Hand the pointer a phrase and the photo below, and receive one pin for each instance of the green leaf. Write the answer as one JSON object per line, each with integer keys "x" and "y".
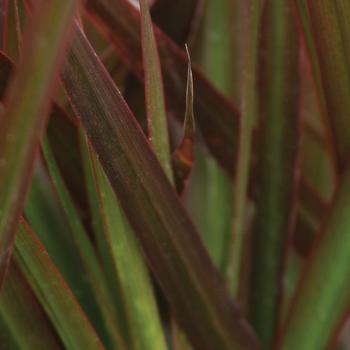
{"x": 169, "y": 240}
{"x": 322, "y": 298}
{"x": 55, "y": 296}
{"x": 278, "y": 160}
{"x": 249, "y": 109}
{"x": 120, "y": 22}
{"x": 26, "y": 105}
{"x": 155, "y": 103}
{"x": 330, "y": 33}
{"x": 137, "y": 292}
{"x": 86, "y": 251}
{"x": 47, "y": 219}
{"x": 23, "y": 315}
{"x": 217, "y": 60}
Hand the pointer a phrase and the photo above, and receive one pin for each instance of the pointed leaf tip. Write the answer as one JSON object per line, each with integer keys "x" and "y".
{"x": 183, "y": 157}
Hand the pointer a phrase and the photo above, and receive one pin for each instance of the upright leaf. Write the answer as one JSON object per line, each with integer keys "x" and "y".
{"x": 120, "y": 22}
{"x": 278, "y": 164}
{"x": 183, "y": 157}
{"x": 249, "y": 109}
{"x": 155, "y": 102}
{"x": 169, "y": 240}
{"x": 217, "y": 62}
{"x": 26, "y": 105}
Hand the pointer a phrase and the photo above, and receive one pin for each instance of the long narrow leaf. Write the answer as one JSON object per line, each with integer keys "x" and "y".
{"x": 85, "y": 248}
{"x": 47, "y": 219}
{"x": 26, "y": 105}
{"x": 278, "y": 161}
{"x": 249, "y": 108}
{"x": 155, "y": 102}
{"x": 322, "y": 298}
{"x": 138, "y": 296}
{"x": 120, "y": 21}
{"x": 169, "y": 240}
{"x": 45, "y": 216}
{"x": 23, "y": 315}
{"x": 333, "y": 57}
{"x": 216, "y": 59}
{"x": 57, "y": 299}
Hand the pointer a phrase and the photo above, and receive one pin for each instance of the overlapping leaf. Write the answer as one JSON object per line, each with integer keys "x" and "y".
{"x": 26, "y": 104}
{"x": 120, "y": 22}
{"x": 278, "y": 160}
{"x": 169, "y": 240}
{"x": 57, "y": 299}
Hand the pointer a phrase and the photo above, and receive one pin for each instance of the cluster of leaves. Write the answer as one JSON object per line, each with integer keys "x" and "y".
{"x": 123, "y": 227}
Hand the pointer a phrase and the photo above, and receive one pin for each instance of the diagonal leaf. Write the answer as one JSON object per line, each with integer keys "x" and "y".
{"x": 333, "y": 56}
{"x": 55, "y": 296}
{"x": 23, "y": 315}
{"x": 120, "y": 22}
{"x": 26, "y": 104}
{"x": 278, "y": 160}
{"x": 322, "y": 299}
{"x": 137, "y": 292}
{"x": 303, "y": 17}
{"x": 168, "y": 238}
{"x": 47, "y": 218}
{"x": 86, "y": 250}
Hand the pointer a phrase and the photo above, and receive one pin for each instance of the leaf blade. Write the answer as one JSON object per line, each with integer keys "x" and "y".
{"x": 155, "y": 102}
{"x": 118, "y": 20}
{"x": 75, "y": 330}
{"x": 23, "y": 122}
{"x": 158, "y": 207}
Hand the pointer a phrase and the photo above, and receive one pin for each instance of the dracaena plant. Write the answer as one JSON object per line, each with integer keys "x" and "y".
{"x": 174, "y": 174}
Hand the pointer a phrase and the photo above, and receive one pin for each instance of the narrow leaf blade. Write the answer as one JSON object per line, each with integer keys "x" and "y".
{"x": 119, "y": 20}
{"x": 57, "y": 299}
{"x": 167, "y": 236}
{"x": 155, "y": 102}
{"x": 26, "y": 104}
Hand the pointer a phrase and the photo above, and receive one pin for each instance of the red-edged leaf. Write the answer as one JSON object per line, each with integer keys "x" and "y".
{"x": 277, "y": 170}
{"x": 26, "y": 104}
{"x": 216, "y": 117}
{"x": 55, "y": 296}
{"x": 24, "y": 316}
{"x": 171, "y": 244}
